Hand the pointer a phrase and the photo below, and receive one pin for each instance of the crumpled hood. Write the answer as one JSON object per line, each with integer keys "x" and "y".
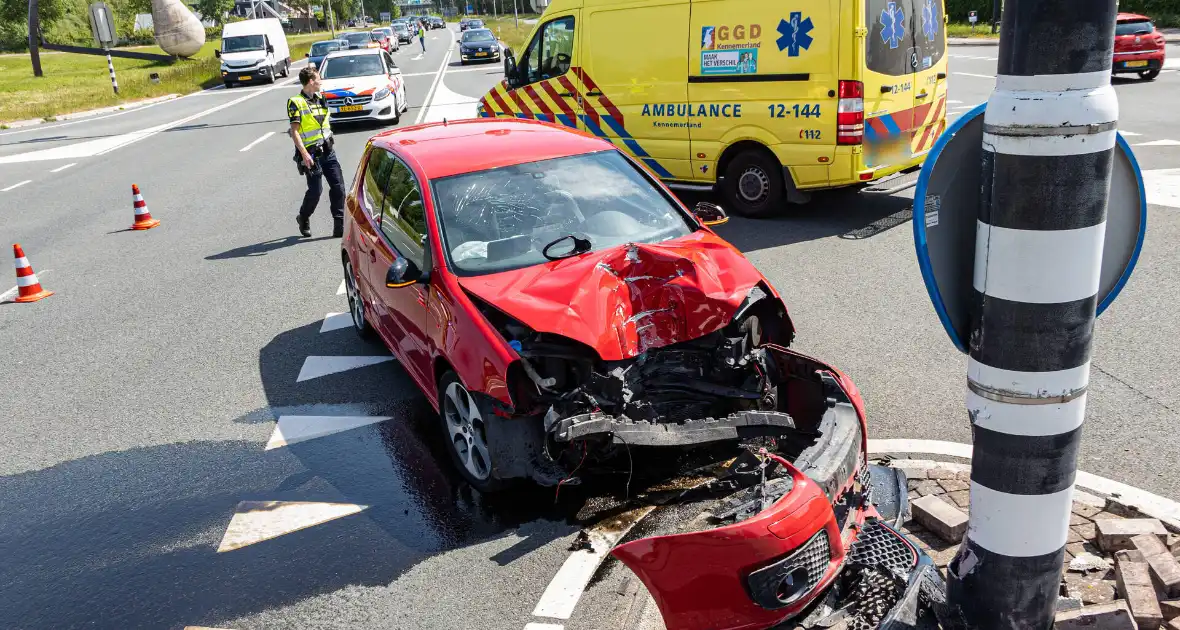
{"x": 624, "y": 300}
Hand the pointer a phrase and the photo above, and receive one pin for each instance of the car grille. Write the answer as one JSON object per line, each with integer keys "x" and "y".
{"x": 809, "y": 562}
{"x": 356, "y": 100}
{"x": 878, "y": 545}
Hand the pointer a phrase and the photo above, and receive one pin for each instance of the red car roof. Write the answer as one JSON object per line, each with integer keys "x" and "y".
{"x": 478, "y": 144}
{"x": 1131, "y": 17}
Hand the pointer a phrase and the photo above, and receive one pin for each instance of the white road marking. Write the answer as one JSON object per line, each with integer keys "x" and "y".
{"x": 964, "y": 107}
{"x": 418, "y": 57}
{"x": 1159, "y": 143}
{"x": 16, "y": 185}
{"x": 1129, "y": 133}
{"x": 317, "y": 366}
{"x": 1172, "y": 64}
{"x": 7, "y": 295}
{"x": 102, "y": 146}
{"x": 969, "y": 74}
{"x": 1153, "y": 505}
{"x": 256, "y": 521}
{"x": 450, "y": 105}
{"x": 562, "y": 595}
{"x": 84, "y": 119}
{"x": 434, "y": 85}
{"x": 1163, "y": 186}
{"x": 336, "y": 321}
{"x": 62, "y": 168}
{"x": 294, "y": 429}
{"x": 953, "y": 102}
{"x": 340, "y": 291}
{"x": 251, "y": 145}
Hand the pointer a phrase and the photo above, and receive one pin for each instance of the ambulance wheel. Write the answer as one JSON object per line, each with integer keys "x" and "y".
{"x": 754, "y": 184}
{"x": 1148, "y": 75}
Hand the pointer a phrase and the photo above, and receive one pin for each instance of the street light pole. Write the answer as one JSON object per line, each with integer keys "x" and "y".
{"x": 996, "y": 10}
{"x": 1048, "y": 149}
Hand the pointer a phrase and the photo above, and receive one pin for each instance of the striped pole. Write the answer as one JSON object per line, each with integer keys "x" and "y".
{"x": 111, "y": 69}
{"x": 1049, "y": 137}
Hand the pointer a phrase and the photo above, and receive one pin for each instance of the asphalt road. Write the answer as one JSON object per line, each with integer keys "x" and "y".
{"x": 140, "y": 400}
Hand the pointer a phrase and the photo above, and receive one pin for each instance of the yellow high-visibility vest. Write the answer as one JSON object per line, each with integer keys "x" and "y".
{"x": 311, "y": 132}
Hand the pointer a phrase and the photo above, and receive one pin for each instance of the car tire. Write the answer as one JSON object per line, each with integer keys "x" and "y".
{"x": 1149, "y": 75}
{"x": 753, "y": 184}
{"x": 397, "y": 111}
{"x": 356, "y": 303}
{"x": 229, "y": 84}
{"x": 462, "y": 418}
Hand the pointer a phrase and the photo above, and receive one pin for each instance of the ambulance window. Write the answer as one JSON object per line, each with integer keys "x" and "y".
{"x": 551, "y": 52}
{"x": 905, "y": 36}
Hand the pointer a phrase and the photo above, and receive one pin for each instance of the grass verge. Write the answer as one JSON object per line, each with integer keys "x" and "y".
{"x": 981, "y": 31}
{"x": 75, "y": 83}
{"x": 506, "y": 29}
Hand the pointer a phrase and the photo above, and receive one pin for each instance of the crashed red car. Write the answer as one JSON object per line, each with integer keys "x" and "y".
{"x": 561, "y": 309}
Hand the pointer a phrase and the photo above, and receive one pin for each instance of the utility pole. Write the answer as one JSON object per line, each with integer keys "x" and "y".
{"x": 515, "y": 17}
{"x": 1048, "y": 143}
{"x": 996, "y": 10}
{"x": 35, "y": 38}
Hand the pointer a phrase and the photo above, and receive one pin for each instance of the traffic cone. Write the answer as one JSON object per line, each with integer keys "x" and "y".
{"x": 27, "y": 286}
{"x": 143, "y": 218}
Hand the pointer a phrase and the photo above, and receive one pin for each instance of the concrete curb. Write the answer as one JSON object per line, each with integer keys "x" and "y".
{"x": 17, "y": 124}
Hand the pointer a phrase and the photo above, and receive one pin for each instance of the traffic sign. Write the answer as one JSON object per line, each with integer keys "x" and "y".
{"x": 946, "y": 211}
{"x": 102, "y": 25}
{"x": 971, "y": 17}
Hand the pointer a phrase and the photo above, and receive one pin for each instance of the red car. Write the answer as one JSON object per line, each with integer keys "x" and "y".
{"x": 383, "y": 39}
{"x": 1138, "y": 46}
{"x": 565, "y": 313}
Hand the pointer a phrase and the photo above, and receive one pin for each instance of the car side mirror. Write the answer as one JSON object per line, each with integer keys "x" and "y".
{"x": 510, "y": 70}
{"x": 402, "y": 273}
{"x": 710, "y": 214}
{"x": 307, "y": 54}
{"x": 217, "y": 53}
{"x": 270, "y": 48}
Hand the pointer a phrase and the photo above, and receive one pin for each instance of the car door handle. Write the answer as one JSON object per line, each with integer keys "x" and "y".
{"x": 922, "y": 95}
{"x": 566, "y": 94}
{"x": 885, "y": 89}
{"x": 941, "y": 76}
{"x": 594, "y": 93}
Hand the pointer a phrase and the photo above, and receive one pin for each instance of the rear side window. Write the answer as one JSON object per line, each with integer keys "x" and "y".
{"x": 403, "y": 219}
{"x": 905, "y": 36}
{"x": 376, "y": 174}
{"x": 1136, "y": 27}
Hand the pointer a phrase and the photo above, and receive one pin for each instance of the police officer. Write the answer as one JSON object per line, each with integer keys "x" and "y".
{"x": 421, "y": 35}
{"x": 312, "y": 133}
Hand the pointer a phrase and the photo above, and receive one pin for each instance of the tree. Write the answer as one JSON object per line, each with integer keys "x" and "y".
{"x": 214, "y": 9}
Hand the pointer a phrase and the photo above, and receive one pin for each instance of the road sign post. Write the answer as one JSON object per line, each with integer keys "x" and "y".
{"x": 1049, "y": 138}
{"x": 102, "y": 27}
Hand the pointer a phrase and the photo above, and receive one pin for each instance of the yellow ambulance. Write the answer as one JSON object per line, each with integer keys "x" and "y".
{"x": 765, "y": 100}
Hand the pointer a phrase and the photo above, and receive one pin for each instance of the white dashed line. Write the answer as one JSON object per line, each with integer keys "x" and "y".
{"x": 62, "y": 168}
{"x": 340, "y": 291}
{"x": 295, "y": 429}
{"x": 1129, "y": 133}
{"x": 251, "y": 145}
{"x": 981, "y": 76}
{"x": 566, "y": 588}
{"x": 336, "y": 321}
{"x": 16, "y": 185}
{"x": 1159, "y": 143}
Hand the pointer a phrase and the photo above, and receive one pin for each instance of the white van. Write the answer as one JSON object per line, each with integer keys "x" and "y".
{"x": 254, "y": 51}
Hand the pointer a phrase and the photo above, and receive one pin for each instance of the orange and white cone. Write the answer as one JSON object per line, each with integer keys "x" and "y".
{"x": 143, "y": 218}
{"x": 27, "y": 286}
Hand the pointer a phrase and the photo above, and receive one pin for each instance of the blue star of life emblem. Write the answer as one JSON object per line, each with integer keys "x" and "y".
{"x": 794, "y": 34}
{"x": 892, "y": 24}
{"x": 929, "y": 19}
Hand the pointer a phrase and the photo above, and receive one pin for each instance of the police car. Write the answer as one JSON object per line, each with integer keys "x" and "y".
{"x": 363, "y": 85}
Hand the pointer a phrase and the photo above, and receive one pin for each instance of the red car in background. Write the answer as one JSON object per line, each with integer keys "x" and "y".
{"x": 383, "y": 39}
{"x": 565, "y": 313}
{"x": 1138, "y": 46}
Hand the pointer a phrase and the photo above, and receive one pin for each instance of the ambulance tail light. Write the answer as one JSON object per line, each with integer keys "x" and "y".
{"x": 850, "y": 113}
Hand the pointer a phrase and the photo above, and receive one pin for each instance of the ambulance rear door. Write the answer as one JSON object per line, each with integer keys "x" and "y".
{"x": 766, "y": 72}
{"x": 893, "y": 65}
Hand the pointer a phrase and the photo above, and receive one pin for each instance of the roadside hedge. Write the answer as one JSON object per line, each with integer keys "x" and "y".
{"x": 1164, "y": 12}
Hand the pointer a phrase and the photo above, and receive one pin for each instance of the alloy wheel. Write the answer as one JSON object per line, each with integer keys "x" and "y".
{"x": 466, "y": 430}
